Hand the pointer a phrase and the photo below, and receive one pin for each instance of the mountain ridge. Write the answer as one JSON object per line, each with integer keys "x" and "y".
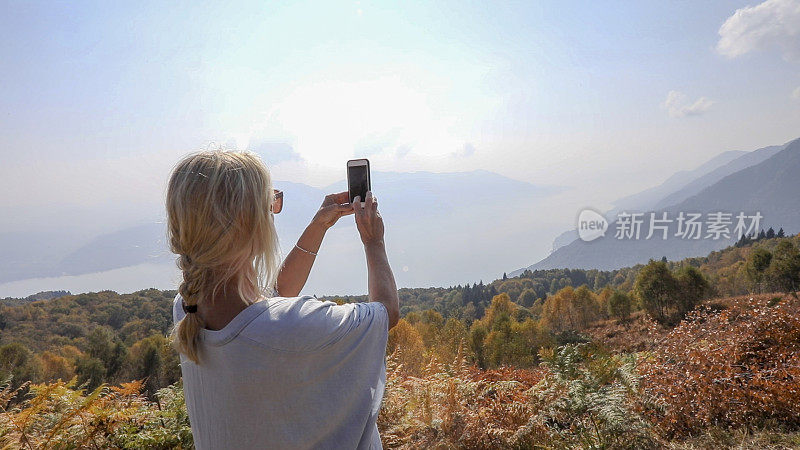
{"x": 769, "y": 187}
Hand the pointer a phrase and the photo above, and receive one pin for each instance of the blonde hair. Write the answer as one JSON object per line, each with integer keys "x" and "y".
{"x": 220, "y": 225}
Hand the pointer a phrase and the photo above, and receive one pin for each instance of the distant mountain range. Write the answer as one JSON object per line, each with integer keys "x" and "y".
{"x": 766, "y": 181}
{"x": 649, "y": 198}
{"x": 413, "y": 204}
{"x": 681, "y": 185}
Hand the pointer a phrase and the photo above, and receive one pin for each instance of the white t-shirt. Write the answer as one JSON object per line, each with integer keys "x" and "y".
{"x": 291, "y": 372}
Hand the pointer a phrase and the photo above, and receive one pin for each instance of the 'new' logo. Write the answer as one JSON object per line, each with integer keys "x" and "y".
{"x": 591, "y": 225}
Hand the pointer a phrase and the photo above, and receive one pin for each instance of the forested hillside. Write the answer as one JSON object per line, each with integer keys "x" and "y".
{"x": 662, "y": 354}
{"x": 726, "y": 271}
{"x": 101, "y": 337}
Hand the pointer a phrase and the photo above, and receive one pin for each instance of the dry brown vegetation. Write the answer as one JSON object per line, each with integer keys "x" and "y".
{"x": 733, "y": 364}
{"x": 725, "y": 377}
{"x": 639, "y": 333}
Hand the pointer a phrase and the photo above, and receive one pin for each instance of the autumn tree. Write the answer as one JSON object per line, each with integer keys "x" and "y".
{"x": 55, "y": 367}
{"x": 490, "y": 332}
{"x": 405, "y": 339}
{"x": 603, "y": 298}
{"x": 570, "y": 309}
{"x": 451, "y": 337}
{"x": 429, "y": 327}
{"x": 499, "y": 338}
{"x": 587, "y": 304}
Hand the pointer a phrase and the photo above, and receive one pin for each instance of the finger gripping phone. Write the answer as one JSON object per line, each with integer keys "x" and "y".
{"x": 358, "y": 179}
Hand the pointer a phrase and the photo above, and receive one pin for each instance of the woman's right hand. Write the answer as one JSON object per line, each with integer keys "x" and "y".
{"x": 368, "y": 220}
{"x": 380, "y": 279}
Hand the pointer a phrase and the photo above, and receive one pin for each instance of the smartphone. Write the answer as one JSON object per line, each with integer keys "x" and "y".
{"x": 358, "y": 179}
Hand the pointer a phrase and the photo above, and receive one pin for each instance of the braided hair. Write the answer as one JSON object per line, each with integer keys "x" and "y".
{"x": 221, "y": 228}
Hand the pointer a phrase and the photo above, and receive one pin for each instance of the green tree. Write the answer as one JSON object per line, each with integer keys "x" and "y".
{"x": 17, "y": 361}
{"x": 469, "y": 313}
{"x": 512, "y": 287}
{"x": 553, "y": 286}
{"x": 657, "y": 290}
{"x": 619, "y": 306}
{"x": 477, "y": 336}
{"x": 153, "y": 360}
{"x": 784, "y": 270}
{"x": 528, "y": 337}
{"x": 757, "y": 264}
{"x": 497, "y": 345}
{"x": 694, "y": 287}
{"x": 91, "y": 372}
{"x": 119, "y": 353}
{"x": 527, "y": 297}
{"x": 600, "y": 281}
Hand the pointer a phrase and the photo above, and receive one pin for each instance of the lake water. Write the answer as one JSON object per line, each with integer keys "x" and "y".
{"x": 123, "y": 280}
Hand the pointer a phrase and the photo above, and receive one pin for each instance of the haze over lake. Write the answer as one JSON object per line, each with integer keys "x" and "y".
{"x": 492, "y": 134}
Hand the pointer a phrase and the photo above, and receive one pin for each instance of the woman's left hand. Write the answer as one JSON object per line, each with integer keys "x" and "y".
{"x": 333, "y": 207}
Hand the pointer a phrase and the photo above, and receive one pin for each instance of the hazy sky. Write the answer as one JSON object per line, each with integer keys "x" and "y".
{"x": 99, "y": 99}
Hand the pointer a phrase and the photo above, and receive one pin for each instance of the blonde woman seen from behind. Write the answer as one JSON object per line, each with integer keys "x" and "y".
{"x": 262, "y": 366}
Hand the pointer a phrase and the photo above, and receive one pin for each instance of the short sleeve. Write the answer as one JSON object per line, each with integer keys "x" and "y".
{"x": 354, "y": 322}
{"x": 177, "y": 310}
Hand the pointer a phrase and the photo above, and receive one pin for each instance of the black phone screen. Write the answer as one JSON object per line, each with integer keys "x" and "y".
{"x": 358, "y": 180}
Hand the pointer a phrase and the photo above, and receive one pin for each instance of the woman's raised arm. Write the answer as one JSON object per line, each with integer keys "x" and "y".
{"x": 381, "y": 284}
{"x": 297, "y": 265}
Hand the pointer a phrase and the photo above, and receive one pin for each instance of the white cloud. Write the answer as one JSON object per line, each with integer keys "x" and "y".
{"x": 678, "y": 105}
{"x": 772, "y": 24}
{"x": 796, "y": 93}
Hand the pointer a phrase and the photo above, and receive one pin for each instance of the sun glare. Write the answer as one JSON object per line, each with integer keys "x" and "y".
{"x": 329, "y": 122}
